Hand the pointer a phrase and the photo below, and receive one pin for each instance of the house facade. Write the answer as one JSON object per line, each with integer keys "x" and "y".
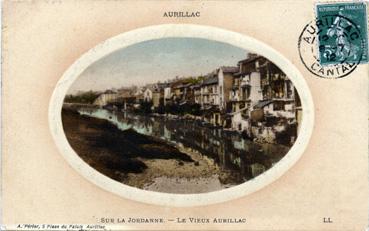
{"x": 158, "y": 95}
{"x": 209, "y": 99}
{"x": 225, "y": 85}
{"x": 246, "y": 92}
{"x": 106, "y": 97}
{"x": 214, "y": 94}
{"x": 262, "y": 98}
{"x": 210, "y": 91}
{"x": 197, "y": 93}
{"x": 168, "y": 95}
{"x": 147, "y": 95}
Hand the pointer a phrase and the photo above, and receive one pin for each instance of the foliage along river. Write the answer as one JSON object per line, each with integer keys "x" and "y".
{"x": 225, "y": 150}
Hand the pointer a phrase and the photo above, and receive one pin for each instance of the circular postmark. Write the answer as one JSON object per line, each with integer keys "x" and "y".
{"x": 330, "y": 47}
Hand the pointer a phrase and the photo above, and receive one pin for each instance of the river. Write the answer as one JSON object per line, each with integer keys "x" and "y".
{"x": 226, "y": 149}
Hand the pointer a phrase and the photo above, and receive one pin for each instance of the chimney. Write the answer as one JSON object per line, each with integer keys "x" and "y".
{"x": 251, "y": 55}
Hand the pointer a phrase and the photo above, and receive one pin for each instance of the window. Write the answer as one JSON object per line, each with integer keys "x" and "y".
{"x": 278, "y": 106}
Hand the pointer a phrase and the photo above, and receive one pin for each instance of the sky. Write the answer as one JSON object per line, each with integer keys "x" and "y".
{"x": 157, "y": 60}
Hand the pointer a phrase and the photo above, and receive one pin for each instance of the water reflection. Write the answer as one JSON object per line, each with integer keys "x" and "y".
{"x": 228, "y": 149}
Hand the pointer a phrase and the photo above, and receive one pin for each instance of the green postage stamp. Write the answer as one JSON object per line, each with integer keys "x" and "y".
{"x": 342, "y": 33}
{"x": 336, "y": 42}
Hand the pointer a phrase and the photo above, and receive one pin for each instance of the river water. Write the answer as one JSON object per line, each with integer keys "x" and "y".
{"x": 229, "y": 150}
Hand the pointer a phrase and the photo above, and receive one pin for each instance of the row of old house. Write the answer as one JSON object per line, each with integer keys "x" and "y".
{"x": 254, "y": 97}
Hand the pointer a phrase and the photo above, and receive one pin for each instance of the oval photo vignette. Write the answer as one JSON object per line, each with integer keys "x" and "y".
{"x": 181, "y": 115}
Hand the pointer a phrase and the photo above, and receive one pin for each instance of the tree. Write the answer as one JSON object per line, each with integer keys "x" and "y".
{"x": 87, "y": 97}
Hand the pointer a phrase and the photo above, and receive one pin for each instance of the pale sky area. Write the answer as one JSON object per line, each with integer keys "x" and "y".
{"x": 157, "y": 60}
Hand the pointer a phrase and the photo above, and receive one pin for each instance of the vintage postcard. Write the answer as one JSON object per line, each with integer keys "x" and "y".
{"x": 184, "y": 115}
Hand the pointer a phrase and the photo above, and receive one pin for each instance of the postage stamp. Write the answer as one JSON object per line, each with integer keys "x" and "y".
{"x": 332, "y": 45}
{"x": 343, "y": 32}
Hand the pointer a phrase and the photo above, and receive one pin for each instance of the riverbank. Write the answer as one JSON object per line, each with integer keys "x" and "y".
{"x": 142, "y": 161}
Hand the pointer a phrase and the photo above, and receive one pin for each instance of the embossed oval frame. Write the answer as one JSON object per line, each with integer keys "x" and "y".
{"x": 180, "y": 31}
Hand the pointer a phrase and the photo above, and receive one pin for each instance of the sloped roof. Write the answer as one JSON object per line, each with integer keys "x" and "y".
{"x": 126, "y": 94}
{"x": 161, "y": 85}
{"x": 196, "y": 86}
{"x": 251, "y": 57}
{"x": 263, "y": 103}
{"x": 183, "y": 85}
{"x": 187, "y": 84}
{"x": 176, "y": 83}
{"x": 211, "y": 80}
{"x": 110, "y": 92}
{"x": 226, "y": 69}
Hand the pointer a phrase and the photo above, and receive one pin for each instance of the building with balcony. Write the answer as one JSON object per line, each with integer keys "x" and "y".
{"x": 262, "y": 99}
